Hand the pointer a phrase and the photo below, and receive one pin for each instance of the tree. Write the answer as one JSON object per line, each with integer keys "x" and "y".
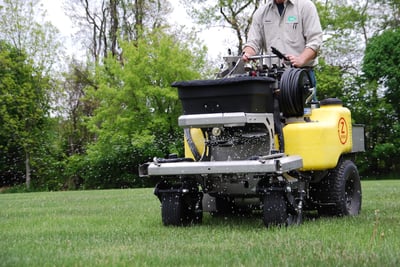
{"x": 345, "y": 32}
{"x": 104, "y": 23}
{"x": 382, "y": 56}
{"x": 24, "y": 106}
{"x": 138, "y": 109}
{"x": 387, "y": 14}
{"x": 236, "y": 15}
{"x": 31, "y": 38}
{"x": 76, "y": 107}
{"x": 23, "y": 25}
{"x": 329, "y": 81}
{"x": 381, "y": 61}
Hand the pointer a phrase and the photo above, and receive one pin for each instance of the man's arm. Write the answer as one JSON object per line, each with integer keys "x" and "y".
{"x": 302, "y": 59}
{"x": 255, "y": 36}
{"x": 312, "y": 34}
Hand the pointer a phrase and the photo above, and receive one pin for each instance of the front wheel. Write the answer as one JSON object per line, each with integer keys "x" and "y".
{"x": 180, "y": 210}
{"x": 275, "y": 209}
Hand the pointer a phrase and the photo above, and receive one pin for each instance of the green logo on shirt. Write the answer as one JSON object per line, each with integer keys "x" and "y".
{"x": 292, "y": 19}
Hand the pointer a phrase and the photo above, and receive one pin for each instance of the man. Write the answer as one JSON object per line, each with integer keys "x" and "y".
{"x": 291, "y": 26}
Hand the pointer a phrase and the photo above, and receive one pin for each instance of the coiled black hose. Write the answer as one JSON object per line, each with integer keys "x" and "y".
{"x": 294, "y": 89}
{"x": 192, "y": 145}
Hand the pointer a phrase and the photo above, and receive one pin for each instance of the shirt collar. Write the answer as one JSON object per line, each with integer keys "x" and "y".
{"x": 271, "y": 2}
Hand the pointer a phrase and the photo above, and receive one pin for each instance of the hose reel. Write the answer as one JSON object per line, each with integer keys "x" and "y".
{"x": 295, "y": 87}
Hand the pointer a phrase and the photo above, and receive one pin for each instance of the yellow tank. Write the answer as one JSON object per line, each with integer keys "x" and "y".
{"x": 321, "y": 141}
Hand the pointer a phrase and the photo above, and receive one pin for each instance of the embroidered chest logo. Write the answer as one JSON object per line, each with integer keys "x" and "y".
{"x": 292, "y": 19}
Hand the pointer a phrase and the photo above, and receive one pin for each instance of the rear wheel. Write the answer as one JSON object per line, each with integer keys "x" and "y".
{"x": 340, "y": 192}
{"x": 275, "y": 209}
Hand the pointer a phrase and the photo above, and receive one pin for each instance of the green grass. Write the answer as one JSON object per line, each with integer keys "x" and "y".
{"x": 123, "y": 228}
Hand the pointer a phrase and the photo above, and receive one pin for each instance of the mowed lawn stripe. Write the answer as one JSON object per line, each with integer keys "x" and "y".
{"x": 123, "y": 228}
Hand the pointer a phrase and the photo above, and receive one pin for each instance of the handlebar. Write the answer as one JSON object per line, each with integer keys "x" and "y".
{"x": 270, "y": 63}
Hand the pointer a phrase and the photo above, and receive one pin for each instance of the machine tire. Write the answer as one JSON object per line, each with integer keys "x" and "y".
{"x": 178, "y": 210}
{"x": 342, "y": 189}
{"x": 173, "y": 210}
{"x": 275, "y": 209}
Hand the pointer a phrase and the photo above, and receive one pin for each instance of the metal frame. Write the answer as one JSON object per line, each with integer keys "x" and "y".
{"x": 275, "y": 165}
{"x": 230, "y": 119}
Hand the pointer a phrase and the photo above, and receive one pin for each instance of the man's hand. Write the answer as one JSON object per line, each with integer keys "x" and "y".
{"x": 247, "y": 52}
{"x": 296, "y": 61}
{"x": 301, "y": 60}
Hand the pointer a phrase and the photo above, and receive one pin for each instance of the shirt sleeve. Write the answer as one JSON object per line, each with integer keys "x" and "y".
{"x": 255, "y": 37}
{"x": 312, "y": 27}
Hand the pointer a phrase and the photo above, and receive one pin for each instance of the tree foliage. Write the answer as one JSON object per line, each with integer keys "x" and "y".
{"x": 138, "y": 109}
{"x": 77, "y": 107}
{"x": 23, "y": 25}
{"x": 34, "y": 44}
{"x": 23, "y": 110}
{"x": 117, "y": 107}
{"x": 382, "y": 56}
{"x": 381, "y": 61}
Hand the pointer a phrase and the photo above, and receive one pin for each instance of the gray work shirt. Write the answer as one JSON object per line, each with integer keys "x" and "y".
{"x": 297, "y": 28}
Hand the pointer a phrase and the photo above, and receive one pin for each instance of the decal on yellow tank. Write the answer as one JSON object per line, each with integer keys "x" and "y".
{"x": 343, "y": 131}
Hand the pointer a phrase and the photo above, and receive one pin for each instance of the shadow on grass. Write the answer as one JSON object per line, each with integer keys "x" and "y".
{"x": 252, "y": 219}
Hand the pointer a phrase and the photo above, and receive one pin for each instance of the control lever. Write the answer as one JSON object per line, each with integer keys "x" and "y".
{"x": 279, "y": 53}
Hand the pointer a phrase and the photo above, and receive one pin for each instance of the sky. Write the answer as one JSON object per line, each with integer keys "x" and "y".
{"x": 57, "y": 17}
{"x": 214, "y": 38}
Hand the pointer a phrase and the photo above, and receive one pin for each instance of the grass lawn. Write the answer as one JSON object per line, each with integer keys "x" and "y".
{"x": 123, "y": 228}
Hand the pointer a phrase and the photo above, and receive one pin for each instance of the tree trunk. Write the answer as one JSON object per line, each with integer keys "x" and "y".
{"x": 27, "y": 171}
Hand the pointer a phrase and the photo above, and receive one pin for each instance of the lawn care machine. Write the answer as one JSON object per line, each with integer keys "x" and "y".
{"x": 257, "y": 142}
